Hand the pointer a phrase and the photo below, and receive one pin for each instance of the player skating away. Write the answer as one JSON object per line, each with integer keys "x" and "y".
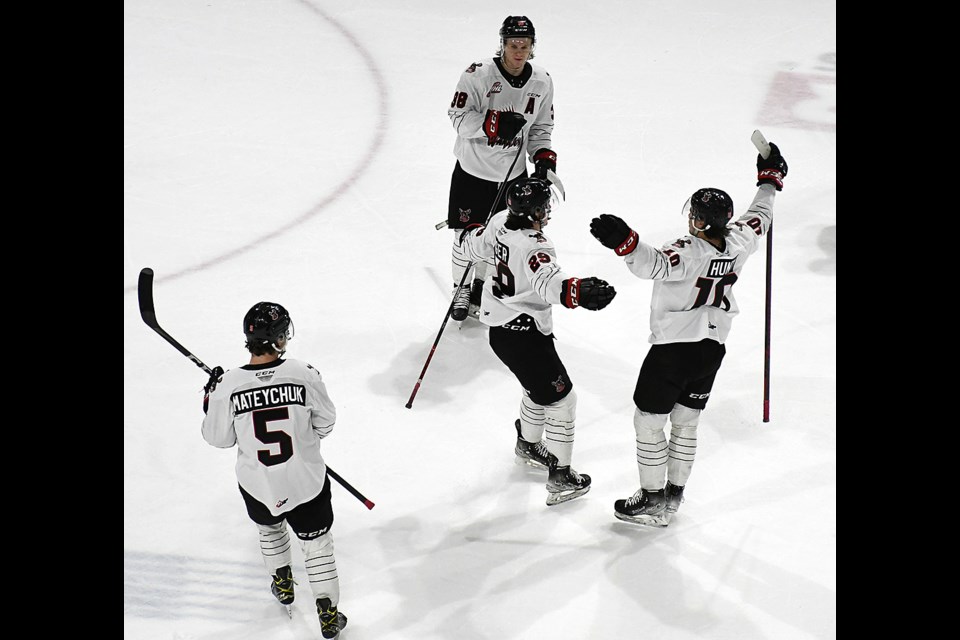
{"x": 691, "y": 311}
{"x": 276, "y": 411}
{"x": 517, "y": 304}
{"x": 496, "y": 99}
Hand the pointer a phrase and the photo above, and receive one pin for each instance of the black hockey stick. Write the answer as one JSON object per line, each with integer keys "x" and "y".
{"x": 760, "y": 142}
{"x": 433, "y": 349}
{"x": 149, "y": 315}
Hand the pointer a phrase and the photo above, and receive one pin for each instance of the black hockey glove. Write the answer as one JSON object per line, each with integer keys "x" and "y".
{"x": 208, "y": 388}
{"x": 215, "y": 376}
{"x": 614, "y": 233}
{"x": 589, "y": 293}
{"x": 544, "y": 160}
{"x": 772, "y": 170}
{"x": 501, "y": 127}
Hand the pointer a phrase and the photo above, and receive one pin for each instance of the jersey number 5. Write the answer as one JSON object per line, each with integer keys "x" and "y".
{"x": 718, "y": 287}
{"x": 279, "y": 437}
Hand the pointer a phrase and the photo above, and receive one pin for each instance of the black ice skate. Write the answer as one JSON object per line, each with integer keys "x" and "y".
{"x": 674, "y": 495}
{"x": 565, "y": 484}
{"x": 331, "y": 620}
{"x": 461, "y": 303}
{"x": 282, "y": 588}
{"x": 534, "y": 454}
{"x": 644, "y": 507}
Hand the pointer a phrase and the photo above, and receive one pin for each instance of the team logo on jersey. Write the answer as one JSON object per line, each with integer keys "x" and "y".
{"x": 496, "y": 88}
{"x": 280, "y": 503}
{"x": 465, "y": 214}
{"x": 720, "y": 267}
{"x": 559, "y": 384}
{"x": 473, "y": 67}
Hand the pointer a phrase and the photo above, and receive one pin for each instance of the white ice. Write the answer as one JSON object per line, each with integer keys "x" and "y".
{"x": 299, "y": 151}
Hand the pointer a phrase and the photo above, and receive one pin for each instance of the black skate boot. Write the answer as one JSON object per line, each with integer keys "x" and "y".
{"x": 565, "y": 484}
{"x": 534, "y": 454}
{"x": 282, "y": 587}
{"x": 461, "y": 303}
{"x": 644, "y": 507}
{"x": 331, "y": 620}
{"x": 674, "y": 495}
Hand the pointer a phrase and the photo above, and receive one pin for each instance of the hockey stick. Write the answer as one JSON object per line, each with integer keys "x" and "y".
{"x": 149, "y": 314}
{"x": 764, "y": 148}
{"x": 463, "y": 279}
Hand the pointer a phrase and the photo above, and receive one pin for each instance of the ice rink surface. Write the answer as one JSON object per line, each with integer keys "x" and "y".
{"x": 300, "y": 152}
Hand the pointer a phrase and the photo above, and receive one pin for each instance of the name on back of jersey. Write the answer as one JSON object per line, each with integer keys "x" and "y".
{"x": 720, "y": 267}
{"x": 278, "y": 395}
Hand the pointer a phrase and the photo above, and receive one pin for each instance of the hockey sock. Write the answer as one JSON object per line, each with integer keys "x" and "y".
{"x": 531, "y": 420}
{"x": 274, "y": 546}
{"x": 683, "y": 443}
{"x": 560, "y": 425}
{"x": 322, "y": 568}
{"x": 651, "y": 449}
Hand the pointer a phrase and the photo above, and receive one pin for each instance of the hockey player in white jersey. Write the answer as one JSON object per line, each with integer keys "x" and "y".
{"x": 691, "y": 311}
{"x": 276, "y": 411}
{"x": 517, "y": 304}
{"x": 496, "y": 100}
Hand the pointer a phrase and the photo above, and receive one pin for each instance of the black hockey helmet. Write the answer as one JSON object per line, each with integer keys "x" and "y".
{"x": 711, "y": 206}
{"x": 267, "y": 323}
{"x": 518, "y": 27}
{"x": 530, "y": 199}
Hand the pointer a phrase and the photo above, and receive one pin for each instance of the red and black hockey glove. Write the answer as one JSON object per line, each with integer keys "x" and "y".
{"x": 772, "y": 170}
{"x": 501, "y": 127}
{"x": 590, "y": 293}
{"x": 208, "y": 388}
{"x": 614, "y": 233}
{"x": 544, "y": 160}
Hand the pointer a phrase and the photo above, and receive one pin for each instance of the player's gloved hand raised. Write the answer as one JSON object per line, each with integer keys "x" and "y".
{"x": 614, "y": 233}
{"x": 501, "y": 127}
{"x": 543, "y": 161}
{"x": 772, "y": 170}
{"x": 589, "y": 293}
{"x": 215, "y": 376}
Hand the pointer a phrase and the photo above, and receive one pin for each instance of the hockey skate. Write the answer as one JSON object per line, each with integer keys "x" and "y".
{"x": 534, "y": 454}
{"x": 643, "y": 507}
{"x": 331, "y": 620}
{"x": 282, "y": 588}
{"x": 461, "y": 303}
{"x": 476, "y": 294}
{"x": 565, "y": 484}
{"x": 674, "y": 496}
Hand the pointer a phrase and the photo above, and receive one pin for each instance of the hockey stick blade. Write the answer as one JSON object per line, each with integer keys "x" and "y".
{"x": 555, "y": 181}
{"x": 760, "y": 143}
{"x": 149, "y": 314}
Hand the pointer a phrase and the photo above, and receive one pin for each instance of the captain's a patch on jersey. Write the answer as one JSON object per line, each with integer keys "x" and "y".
{"x": 720, "y": 267}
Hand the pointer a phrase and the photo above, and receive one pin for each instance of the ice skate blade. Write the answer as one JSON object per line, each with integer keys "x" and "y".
{"x": 527, "y": 462}
{"x": 660, "y": 520}
{"x": 289, "y": 608}
{"x": 565, "y": 496}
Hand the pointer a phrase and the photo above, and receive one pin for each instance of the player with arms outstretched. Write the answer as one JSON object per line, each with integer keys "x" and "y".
{"x": 495, "y": 101}
{"x": 276, "y": 411}
{"x": 691, "y": 311}
{"x": 517, "y": 304}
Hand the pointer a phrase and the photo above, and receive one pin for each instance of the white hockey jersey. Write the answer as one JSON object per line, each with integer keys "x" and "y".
{"x": 276, "y": 414}
{"x": 692, "y": 295}
{"x": 525, "y": 277}
{"x": 484, "y": 85}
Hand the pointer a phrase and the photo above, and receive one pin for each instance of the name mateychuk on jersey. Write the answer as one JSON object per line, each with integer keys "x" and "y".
{"x": 280, "y": 395}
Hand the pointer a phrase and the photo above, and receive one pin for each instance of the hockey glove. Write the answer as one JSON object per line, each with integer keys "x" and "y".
{"x": 544, "y": 160}
{"x": 772, "y": 170}
{"x": 614, "y": 233}
{"x": 589, "y": 293}
{"x": 208, "y": 388}
{"x": 501, "y": 127}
